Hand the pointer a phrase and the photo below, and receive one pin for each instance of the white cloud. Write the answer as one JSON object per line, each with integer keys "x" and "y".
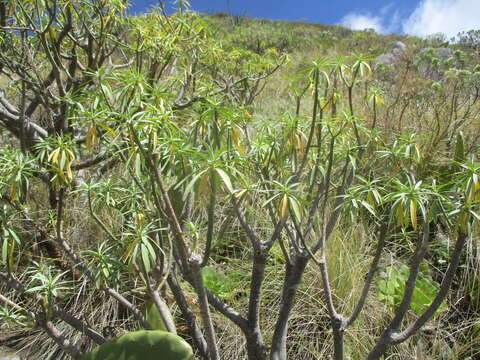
{"x": 387, "y": 21}
{"x": 362, "y": 21}
{"x": 429, "y": 17}
{"x": 443, "y": 16}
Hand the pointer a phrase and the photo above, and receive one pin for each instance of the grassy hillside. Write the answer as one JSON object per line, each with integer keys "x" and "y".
{"x": 423, "y": 97}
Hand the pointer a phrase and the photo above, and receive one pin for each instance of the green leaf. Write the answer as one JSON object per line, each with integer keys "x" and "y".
{"x": 225, "y": 179}
{"x": 145, "y": 345}
{"x": 145, "y": 258}
{"x": 4, "y": 250}
{"x": 138, "y": 165}
{"x": 192, "y": 183}
{"x": 296, "y": 208}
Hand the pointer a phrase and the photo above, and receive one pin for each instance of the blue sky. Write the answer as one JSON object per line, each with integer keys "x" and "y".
{"x": 416, "y": 17}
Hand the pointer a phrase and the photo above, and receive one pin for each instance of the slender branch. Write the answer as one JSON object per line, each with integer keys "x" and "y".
{"x": 188, "y": 315}
{"x": 13, "y": 124}
{"x": 49, "y": 328}
{"x": 227, "y": 311}
{"x": 412, "y": 278}
{"x": 162, "y": 310}
{"x": 180, "y": 106}
{"x": 204, "y": 309}
{"x": 211, "y": 220}
{"x": 313, "y": 123}
{"x": 79, "y": 325}
{"x": 19, "y": 28}
{"x": 104, "y": 155}
{"x": 387, "y": 337}
{"x": 8, "y": 106}
{"x": 245, "y": 225}
{"x": 172, "y": 218}
{"x": 322, "y": 191}
{"x": 442, "y": 293}
{"x": 57, "y": 336}
{"x": 337, "y": 320}
{"x": 277, "y": 231}
{"x": 97, "y": 219}
{"x": 17, "y": 307}
{"x": 371, "y": 273}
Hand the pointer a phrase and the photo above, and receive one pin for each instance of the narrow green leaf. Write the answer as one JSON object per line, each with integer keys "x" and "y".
{"x": 225, "y": 179}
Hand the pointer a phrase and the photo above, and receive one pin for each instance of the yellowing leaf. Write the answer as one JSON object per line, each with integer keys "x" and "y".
{"x": 13, "y": 191}
{"x": 140, "y": 219}
{"x": 138, "y": 165}
{"x": 204, "y": 186}
{"x": 52, "y": 33}
{"x": 371, "y": 200}
{"x": 323, "y": 103}
{"x": 463, "y": 221}
{"x": 459, "y": 155}
{"x": 106, "y": 127}
{"x": 236, "y": 141}
{"x": 69, "y": 172}
{"x": 91, "y": 138}
{"x": 235, "y": 136}
{"x": 300, "y": 144}
{"x": 283, "y": 207}
{"x": 54, "y": 157}
{"x": 239, "y": 194}
{"x": 419, "y": 151}
{"x": 312, "y": 89}
{"x": 296, "y": 208}
{"x": 154, "y": 140}
{"x": 399, "y": 215}
{"x": 413, "y": 214}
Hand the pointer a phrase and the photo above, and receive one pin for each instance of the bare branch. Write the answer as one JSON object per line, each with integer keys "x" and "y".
{"x": 442, "y": 293}
{"x": 387, "y": 337}
{"x": 371, "y": 273}
{"x": 188, "y": 315}
{"x": 47, "y": 325}
{"x": 204, "y": 309}
{"x": 104, "y": 155}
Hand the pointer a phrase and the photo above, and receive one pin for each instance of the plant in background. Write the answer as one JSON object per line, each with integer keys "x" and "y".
{"x": 106, "y": 267}
{"x": 392, "y": 287}
{"x": 10, "y": 239}
{"x": 47, "y": 285}
{"x": 225, "y": 286}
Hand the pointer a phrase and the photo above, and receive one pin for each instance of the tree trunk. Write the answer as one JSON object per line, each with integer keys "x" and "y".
{"x": 293, "y": 277}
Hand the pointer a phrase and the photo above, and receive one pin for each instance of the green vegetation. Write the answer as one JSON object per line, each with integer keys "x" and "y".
{"x": 146, "y": 345}
{"x": 154, "y": 317}
{"x": 392, "y": 289}
{"x": 260, "y": 189}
